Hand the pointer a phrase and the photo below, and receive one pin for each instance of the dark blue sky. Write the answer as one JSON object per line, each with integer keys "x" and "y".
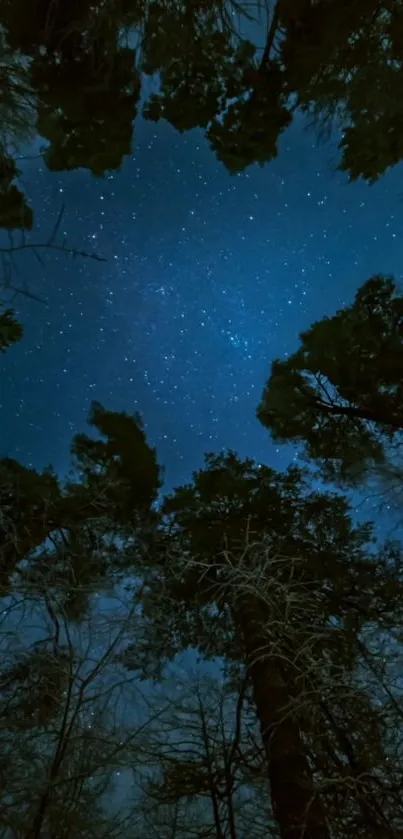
{"x": 208, "y": 277}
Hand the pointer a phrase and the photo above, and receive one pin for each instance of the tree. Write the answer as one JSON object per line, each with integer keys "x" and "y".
{"x": 110, "y": 493}
{"x": 202, "y": 68}
{"x": 252, "y": 566}
{"x": 206, "y": 766}
{"x": 243, "y": 563}
{"x": 17, "y": 128}
{"x": 19, "y": 108}
{"x": 14, "y": 210}
{"x": 65, "y": 733}
{"x": 340, "y": 395}
{"x": 10, "y": 329}
{"x": 326, "y": 59}
{"x": 339, "y": 61}
{"x": 65, "y": 727}
{"x": 87, "y": 113}
{"x": 85, "y": 82}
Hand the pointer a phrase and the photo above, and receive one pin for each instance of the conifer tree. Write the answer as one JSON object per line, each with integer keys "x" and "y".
{"x": 340, "y": 395}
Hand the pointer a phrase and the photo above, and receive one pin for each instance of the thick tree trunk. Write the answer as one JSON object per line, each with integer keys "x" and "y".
{"x": 298, "y": 811}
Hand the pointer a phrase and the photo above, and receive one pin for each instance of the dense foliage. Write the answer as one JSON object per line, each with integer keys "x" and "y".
{"x": 340, "y": 395}
{"x": 79, "y": 85}
{"x": 292, "y": 724}
{"x": 299, "y": 608}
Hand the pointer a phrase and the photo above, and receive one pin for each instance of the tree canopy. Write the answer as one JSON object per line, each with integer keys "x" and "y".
{"x": 253, "y": 566}
{"x": 243, "y": 564}
{"x": 111, "y": 492}
{"x": 340, "y": 395}
{"x": 80, "y": 84}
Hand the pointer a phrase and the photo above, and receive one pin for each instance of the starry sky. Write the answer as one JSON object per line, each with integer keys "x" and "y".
{"x": 207, "y": 278}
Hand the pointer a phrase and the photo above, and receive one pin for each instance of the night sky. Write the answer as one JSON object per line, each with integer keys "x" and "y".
{"x": 208, "y": 278}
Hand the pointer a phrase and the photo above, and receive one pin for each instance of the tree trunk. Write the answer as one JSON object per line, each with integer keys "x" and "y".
{"x": 297, "y": 809}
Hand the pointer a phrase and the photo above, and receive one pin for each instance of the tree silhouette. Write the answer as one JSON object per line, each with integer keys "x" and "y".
{"x": 63, "y": 735}
{"x": 92, "y": 129}
{"x": 303, "y": 606}
{"x": 111, "y": 492}
{"x": 85, "y": 81}
{"x": 255, "y": 568}
{"x": 345, "y": 63}
{"x": 10, "y": 329}
{"x": 335, "y": 63}
{"x": 340, "y": 395}
{"x": 14, "y": 210}
{"x": 207, "y": 766}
